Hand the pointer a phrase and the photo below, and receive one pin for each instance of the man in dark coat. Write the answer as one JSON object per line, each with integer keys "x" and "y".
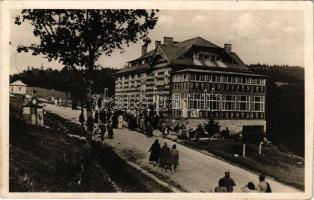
{"x": 164, "y": 155}
{"x": 229, "y": 182}
{"x": 110, "y": 131}
{"x": 154, "y": 152}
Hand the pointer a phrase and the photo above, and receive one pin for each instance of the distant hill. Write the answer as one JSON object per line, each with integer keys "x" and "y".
{"x": 280, "y": 73}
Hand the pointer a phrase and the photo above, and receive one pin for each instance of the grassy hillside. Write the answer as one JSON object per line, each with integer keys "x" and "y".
{"x": 45, "y": 159}
{"x": 45, "y": 93}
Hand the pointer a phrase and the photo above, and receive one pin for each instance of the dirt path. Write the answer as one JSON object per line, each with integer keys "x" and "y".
{"x": 197, "y": 172}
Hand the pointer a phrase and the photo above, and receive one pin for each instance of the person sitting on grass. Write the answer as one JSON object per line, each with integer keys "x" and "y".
{"x": 250, "y": 187}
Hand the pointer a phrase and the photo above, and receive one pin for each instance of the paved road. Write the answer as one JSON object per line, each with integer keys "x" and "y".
{"x": 197, "y": 172}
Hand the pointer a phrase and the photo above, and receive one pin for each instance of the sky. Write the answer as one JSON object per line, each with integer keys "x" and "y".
{"x": 259, "y": 36}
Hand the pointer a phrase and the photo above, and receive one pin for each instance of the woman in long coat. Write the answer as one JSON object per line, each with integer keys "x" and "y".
{"x": 164, "y": 156}
{"x": 154, "y": 152}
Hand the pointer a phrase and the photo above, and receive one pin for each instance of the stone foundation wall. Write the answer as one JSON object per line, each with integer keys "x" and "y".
{"x": 235, "y": 126}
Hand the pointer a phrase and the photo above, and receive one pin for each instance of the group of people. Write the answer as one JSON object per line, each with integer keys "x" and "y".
{"x": 100, "y": 124}
{"x": 226, "y": 184}
{"x": 164, "y": 157}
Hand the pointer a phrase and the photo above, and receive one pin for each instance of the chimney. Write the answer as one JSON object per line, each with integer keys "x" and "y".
{"x": 157, "y": 43}
{"x": 144, "y": 49}
{"x": 168, "y": 40}
{"x": 227, "y": 48}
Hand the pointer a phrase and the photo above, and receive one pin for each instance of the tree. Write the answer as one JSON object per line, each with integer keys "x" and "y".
{"x": 76, "y": 38}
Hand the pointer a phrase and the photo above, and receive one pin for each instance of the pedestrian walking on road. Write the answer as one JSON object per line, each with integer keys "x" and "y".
{"x": 221, "y": 186}
{"x": 229, "y": 182}
{"x": 164, "y": 154}
{"x": 165, "y": 132}
{"x": 110, "y": 131}
{"x": 250, "y": 187}
{"x": 81, "y": 119}
{"x": 96, "y": 116}
{"x": 263, "y": 186}
{"x": 102, "y": 127}
{"x": 120, "y": 122}
{"x": 154, "y": 152}
{"x": 174, "y": 158}
{"x": 90, "y": 124}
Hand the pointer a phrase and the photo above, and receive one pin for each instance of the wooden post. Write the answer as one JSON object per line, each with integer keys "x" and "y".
{"x": 260, "y": 148}
{"x": 243, "y": 152}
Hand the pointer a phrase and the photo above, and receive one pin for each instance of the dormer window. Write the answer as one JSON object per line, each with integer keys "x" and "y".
{"x": 206, "y": 57}
{"x": 143, "y": 62}
{"x": 212, "y": 58}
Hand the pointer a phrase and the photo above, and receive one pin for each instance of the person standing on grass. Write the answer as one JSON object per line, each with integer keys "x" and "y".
{"x": 221, "y": 186}
{"x": 164, "y": 154}
{"x": 229, "y": 182}
{"x": 174, "y": 158}
{"x": 263, "y": 186}
{"x": 154, "y": 152}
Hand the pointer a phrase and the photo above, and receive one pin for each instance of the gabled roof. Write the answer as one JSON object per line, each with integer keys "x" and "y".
{"x": 197, "y": 41}
{"x": 174, "y": 53}
{"x": 18, "y": 83}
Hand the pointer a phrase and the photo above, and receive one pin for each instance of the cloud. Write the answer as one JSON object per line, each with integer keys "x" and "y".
{"x": 273, "y": 24}
{"x": 245, "y": 26}
{"x": 164, "y": 20}
{"x": 289, "y": 29}
{"x": 266, "y": 41}
{"x": 198, "y": 19}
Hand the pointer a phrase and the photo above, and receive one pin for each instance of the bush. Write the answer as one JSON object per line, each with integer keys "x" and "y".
{"x": 212, "y": 127}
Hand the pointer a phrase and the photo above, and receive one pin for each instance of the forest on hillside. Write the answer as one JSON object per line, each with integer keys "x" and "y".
{"x": 284, "y": 103}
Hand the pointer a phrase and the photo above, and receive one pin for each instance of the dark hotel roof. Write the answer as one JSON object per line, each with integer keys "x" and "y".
{"x": 176, "y": 53}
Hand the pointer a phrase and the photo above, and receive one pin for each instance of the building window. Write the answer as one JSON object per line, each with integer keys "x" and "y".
{"x": 228, "y": 102}
{"x": 257, "y": 103}
{"x": 196, "y": 102}
{"x": 176, "y": 101}
{"x": 224, "y": 79}
{"x": 215, "y": 101}
{"x": 243, "y": 103}
{"x": 215, "y": 78}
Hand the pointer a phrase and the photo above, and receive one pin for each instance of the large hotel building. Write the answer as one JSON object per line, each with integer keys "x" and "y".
{"x": 197, "y": 80}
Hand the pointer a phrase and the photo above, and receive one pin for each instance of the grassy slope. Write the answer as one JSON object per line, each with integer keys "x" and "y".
{"x": 282, "y": 166}
{"x": 45, "y": 93}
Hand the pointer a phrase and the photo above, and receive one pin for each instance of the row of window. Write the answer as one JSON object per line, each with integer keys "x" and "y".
{"x": 218, "y": 87}
{"x": 219, "y": 79}
{"x": 134, "y": 82}
{"x": 218, "y": 102}
{"x": 221, "y": 114}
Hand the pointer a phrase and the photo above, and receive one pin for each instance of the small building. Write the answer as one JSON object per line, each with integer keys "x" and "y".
{"x": 18, "y": 87}
{"x": 33, "y": 112}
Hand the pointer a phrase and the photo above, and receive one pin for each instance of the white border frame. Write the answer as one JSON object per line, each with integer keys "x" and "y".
{"x": 305, "y": 6}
